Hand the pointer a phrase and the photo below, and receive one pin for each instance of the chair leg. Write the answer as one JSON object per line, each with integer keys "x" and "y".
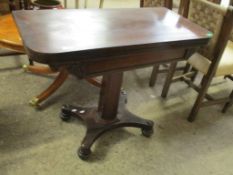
{"x": 204, "y": 88}
{"x": 154, "y": 73}
{"x": 60, "y": 79}
{"x": 228, "y": 104}
{"x": 168, "y": 80}
{"x": 194, "y": 75}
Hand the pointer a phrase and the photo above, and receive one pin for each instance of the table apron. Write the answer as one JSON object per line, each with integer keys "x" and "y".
{"x": 126, "y": 62}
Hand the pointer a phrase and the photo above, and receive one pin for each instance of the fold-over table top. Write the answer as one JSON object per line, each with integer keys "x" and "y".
{"x": 46, "y": 34}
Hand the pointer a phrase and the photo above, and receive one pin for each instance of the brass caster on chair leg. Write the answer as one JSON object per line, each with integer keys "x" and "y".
{"x": 25, "y": 67}
{"x": 34, "y": 102}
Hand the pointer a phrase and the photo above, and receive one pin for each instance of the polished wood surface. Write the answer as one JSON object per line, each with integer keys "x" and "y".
{"x": 9, "y": 35}
{"x": 107, "y": 42}
{"x": 88, "y": 33}
{"x": 11, "y": 40}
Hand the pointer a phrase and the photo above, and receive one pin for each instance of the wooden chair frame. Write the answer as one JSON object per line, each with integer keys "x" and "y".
{"x": 205, "y": 83}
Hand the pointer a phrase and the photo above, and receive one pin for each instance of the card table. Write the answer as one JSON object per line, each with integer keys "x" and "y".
{"x": 107, "y": 42}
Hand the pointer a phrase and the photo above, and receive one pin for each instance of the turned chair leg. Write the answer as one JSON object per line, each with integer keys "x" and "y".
{"x": 205, "y": 83}
{"x": 168, "y": 80}
{"x": 154, "y": 73}
{"x": 63, "y": 74}
{"x": 228, "y": 104}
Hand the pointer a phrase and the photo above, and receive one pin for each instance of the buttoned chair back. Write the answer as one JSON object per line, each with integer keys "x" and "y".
{"x": 156, "y": 3}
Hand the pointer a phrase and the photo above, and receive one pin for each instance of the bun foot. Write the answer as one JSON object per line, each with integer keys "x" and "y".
{"x": 147, "y": 132}
{"x": 84, "y": 153}
{"x": 97, "y": 126}
{"x": 65, "y": 114}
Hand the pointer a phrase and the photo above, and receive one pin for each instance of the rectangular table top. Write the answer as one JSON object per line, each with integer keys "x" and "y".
{"x": 55, "y": 34}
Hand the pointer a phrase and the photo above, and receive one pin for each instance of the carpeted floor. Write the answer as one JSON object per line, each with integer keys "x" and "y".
{"x": 38, "y": 142}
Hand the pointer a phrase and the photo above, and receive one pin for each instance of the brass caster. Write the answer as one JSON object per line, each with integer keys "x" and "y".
{"x": 34, "y": 102}
{"x": 25, "y": 68}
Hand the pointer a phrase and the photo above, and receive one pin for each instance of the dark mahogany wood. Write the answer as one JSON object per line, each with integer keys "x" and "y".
{"x": 103, "y": 34}
{"x": 96, "y": 125}
{"x": 107, "y": 42}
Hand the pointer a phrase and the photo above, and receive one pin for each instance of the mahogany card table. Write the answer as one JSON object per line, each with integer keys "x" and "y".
{"x": 107, "y": 42}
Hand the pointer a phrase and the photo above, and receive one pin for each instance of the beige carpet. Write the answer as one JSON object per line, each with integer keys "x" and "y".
{"x": 38, "y": 142}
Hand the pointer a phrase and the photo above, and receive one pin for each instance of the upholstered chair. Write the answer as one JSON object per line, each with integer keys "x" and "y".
{"x": 213, "y": 60}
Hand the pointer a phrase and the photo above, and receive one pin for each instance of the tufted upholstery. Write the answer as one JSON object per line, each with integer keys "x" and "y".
{"x": 225, "y": 66}
{"x": 209, "y": 16}
{"x": 153, "y": 3}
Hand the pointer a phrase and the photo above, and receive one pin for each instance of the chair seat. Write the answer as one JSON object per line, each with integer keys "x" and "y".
{"x": 225, "y": 67}
{"x": 9, "y": 35}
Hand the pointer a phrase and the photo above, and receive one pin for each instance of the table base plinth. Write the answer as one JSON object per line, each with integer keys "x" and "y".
{"x": 96, "y": 126}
